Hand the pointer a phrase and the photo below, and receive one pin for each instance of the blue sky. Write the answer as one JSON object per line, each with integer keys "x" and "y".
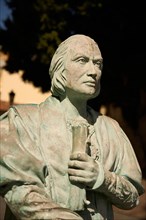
{"x": 4, "y": 13}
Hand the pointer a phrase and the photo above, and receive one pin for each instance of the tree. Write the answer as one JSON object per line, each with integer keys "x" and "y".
{"x": 38, "y": 26}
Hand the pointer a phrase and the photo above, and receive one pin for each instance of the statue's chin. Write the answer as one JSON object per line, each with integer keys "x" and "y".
{"x": 94, "y": 95}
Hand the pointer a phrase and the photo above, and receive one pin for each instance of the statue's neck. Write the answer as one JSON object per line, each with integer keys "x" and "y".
{"x": 74, "y": 108}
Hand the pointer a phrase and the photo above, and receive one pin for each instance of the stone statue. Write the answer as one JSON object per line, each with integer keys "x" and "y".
{"x": 61, "y": 159}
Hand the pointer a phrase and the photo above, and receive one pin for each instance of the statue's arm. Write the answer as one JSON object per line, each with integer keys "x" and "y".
{"x": 31, "y": 202}
{"x": 119, "y": 190}
{"x": 23, "y": 175}
{"x": 122, "y": 183}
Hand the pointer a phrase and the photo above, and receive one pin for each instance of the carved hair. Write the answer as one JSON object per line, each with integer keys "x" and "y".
{"x": 56, "y": 71}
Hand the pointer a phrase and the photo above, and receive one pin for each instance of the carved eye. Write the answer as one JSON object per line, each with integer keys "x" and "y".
{"x": 82, "y": 60}
{"x": 98, "y": 63}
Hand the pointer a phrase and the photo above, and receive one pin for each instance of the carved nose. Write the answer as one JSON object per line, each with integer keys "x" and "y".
{"x": 92, "y": 74}
{"x": 92, "y": 70}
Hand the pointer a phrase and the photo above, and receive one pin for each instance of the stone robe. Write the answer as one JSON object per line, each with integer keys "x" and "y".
{"x": 35, "y": 151}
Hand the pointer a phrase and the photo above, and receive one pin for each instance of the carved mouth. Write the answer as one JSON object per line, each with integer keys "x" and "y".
{"x": 91, "y": 83}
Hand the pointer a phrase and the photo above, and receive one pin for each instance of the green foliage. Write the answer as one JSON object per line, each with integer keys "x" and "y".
{"x": 38, "y": 26}
{"x": 36, "y": 29}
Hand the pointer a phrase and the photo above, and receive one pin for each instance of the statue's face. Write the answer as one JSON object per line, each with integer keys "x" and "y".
{"x": 83, "y": 66}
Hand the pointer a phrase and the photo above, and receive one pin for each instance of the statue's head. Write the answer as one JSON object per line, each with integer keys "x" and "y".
{"x": 57, "y": 69}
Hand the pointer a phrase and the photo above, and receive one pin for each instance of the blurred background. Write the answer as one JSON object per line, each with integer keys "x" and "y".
{"x": 31, "y": 30}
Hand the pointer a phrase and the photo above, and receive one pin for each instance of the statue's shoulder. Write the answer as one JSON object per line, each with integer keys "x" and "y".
{"x": 25, "y": 109}
{"x": 109, "y": 124}
{"x": 27, "y": 114}
{"x": 33, "y": 111}
{"x": 19, "y": 110}
{"x": 107, "y": 120}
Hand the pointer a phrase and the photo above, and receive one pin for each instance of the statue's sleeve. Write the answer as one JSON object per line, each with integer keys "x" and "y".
{"x": 23, "y": 182}
{"x": 122, "y": 182}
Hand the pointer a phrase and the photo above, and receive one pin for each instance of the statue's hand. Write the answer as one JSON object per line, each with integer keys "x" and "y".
{"x": 83, "y": 169}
